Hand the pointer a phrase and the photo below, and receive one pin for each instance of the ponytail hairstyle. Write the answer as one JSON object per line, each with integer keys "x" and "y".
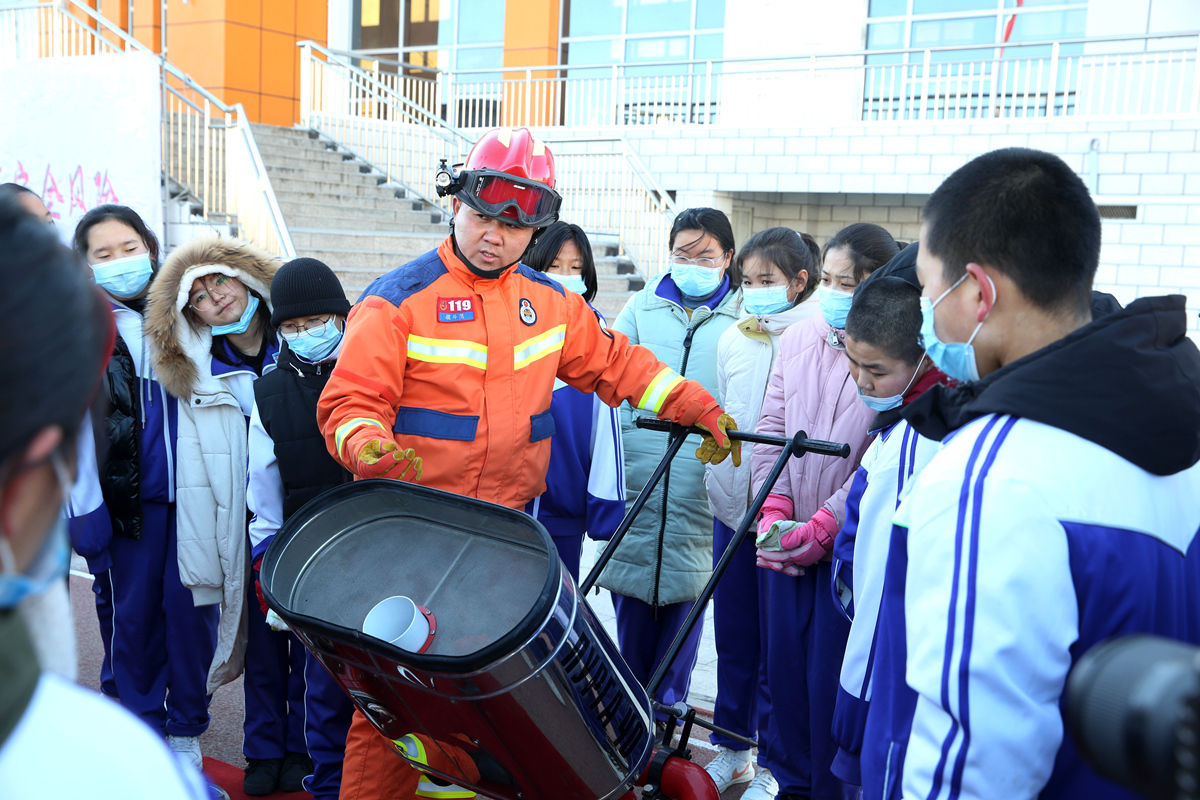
{"x": 791, "y": 251}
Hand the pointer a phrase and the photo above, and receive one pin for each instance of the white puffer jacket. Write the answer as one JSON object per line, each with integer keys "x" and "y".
{"x": 745, "y": 355}
{"x": 211, "y": 453}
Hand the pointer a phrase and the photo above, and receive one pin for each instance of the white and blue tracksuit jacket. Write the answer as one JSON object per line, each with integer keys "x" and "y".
{"x": 860, "y": 556}
{"x": 1062, "y": 510}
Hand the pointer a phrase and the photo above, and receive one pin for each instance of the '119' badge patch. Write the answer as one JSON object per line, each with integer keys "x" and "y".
{"x": 456, "y": 309}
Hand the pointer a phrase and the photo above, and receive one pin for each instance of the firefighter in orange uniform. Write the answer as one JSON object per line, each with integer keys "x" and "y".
{"x": 448, "y": 364}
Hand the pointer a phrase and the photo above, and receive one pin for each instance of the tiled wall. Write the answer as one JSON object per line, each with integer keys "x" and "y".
{"x": 820, "y": 179}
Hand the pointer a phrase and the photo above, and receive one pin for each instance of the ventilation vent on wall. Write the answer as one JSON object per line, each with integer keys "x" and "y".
{"x": 1118, "y": 212}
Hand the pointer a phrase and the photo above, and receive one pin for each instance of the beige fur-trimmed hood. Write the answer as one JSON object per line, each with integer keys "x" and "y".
{"x": 181, "y": 353}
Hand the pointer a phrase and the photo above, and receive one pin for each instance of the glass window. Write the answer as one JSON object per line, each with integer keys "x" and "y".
{"x": 950, "y": 6}
{"x": 710, "y": 13}
{"x": 709, "y": 46}
{"x": 1036, "y": 3}
{"x": 652, "y": 16}
{"x": 672, "y": 48}
{"x": 948, "y": 32}
{"x": 1049, "y": 25}
{"x": 482, "y": 22}
{"x": 481, "y": 58}
{"x": 888, "y": 8}
{"x": 602, "y": 51}
{"x": 594, "y": 17}
{"x": 885, "y": 36}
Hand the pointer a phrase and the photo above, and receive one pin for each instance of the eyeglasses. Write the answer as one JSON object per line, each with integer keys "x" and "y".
{"x": 709, "y": 263}
{"x": 292, "y": 328}
{"x": 203, "y": 299}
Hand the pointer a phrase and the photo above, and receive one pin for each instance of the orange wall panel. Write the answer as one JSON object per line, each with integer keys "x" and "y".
{"x": 278, "y": 110}
{"x": 280, "y": 15}
{"x": 244, "y": 12}
{"x": 251, "y": 100}
{"x": 198, "y": 48}
{"x": 280, "y": 59}
{"x": 243, "y": 57}
{"x": 530, "y": 40}
{"x": 530, "y": 33}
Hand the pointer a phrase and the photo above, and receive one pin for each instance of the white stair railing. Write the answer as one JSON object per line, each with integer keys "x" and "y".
{"x": 1113, "y": 77}
{"x": 605, "y": 187}
{"x": 208, "y": 147}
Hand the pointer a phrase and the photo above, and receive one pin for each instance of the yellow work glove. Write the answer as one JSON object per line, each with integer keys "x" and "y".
{"x": 717, "y": 444}
{"x": 383, "y": 458}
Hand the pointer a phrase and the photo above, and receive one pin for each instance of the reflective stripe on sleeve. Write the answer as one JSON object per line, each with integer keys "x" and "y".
{"x": 350, "y": 425}
{"x": 539, "y": 346}
{"x": 656, "y": 393}
{"x": 448, "y": 351}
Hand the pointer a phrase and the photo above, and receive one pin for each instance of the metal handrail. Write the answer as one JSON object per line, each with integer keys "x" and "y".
{"x": 800, "y": 58}
{"x": 200, "y": 133}
{"x": 365, "y": 116}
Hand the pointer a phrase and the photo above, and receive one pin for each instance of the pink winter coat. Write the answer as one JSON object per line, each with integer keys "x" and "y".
{"x": 811, "y": 390}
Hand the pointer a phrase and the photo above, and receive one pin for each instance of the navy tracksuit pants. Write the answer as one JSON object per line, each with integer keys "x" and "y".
{"x": 273, "y": 688}
{"x": 644, "y": 633}
{"x": 743, "y": 704}
{"x": 158, "y": 645}
{"x": 805, "y": 639}
{"x": 569, "y": 550}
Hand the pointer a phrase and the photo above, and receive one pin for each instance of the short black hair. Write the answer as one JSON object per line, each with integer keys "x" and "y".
{"x": 122, "y": 214}
{"x": 868, "y": 246}
{"x": 545, "y": 247}
{"x": 14, "y": 189}
{"x": 714, "y": 223}
{"x": 1024, "y": 212}
{"x": 58, "y": 331}
{"x": 886, "y": 313}
{"x": 787, "y": 249}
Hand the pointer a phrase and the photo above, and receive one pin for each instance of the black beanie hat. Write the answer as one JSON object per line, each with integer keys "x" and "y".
{"x": 303, "y": 287}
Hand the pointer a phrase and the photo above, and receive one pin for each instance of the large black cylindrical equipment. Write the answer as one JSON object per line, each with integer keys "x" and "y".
{"x": 520, "y": 686}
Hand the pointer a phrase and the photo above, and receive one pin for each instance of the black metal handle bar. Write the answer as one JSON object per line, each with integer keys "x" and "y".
{"x": 800, "y": 442}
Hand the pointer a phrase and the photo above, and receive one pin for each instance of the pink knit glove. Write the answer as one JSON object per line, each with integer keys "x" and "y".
{"x": 776, "y": 508}
{"x": 819, "y": 532}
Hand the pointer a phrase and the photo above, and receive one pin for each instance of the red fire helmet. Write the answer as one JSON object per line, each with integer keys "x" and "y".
{"x": 509, "y": 173}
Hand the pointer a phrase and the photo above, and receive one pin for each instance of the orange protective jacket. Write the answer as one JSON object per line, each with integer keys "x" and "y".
{"x": 461, "y": 369}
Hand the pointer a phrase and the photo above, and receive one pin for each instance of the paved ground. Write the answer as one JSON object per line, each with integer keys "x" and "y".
{"x": 223, "y": 741}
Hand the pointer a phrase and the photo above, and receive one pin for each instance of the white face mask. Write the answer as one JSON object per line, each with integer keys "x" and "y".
{"x": 572, "y": 283}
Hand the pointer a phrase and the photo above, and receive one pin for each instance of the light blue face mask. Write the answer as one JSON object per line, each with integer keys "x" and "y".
{"x": 243, "y": 323}
{"x": 315, "y": 344}
{"x": 763, "y": 300}
{"x": 49, "y": 564}
{"x": 694, "y": 281}
{"x": 835, "y": 305}
{"x": 124, "y": 278}
{"x": 572, "y": 282}
{"x": 880, "y": 404}
{"x": 956, "y": 359}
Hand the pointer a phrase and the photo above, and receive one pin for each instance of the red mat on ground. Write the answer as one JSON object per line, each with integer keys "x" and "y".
{"x": 229, "y": 778}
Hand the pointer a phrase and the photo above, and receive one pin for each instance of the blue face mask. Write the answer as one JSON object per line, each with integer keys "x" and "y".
{"x": 879, "y": 404}
{"x": 956, "y": 359}
{"x": 124, "y": 278}
{"x": 763, "y": 300}
{"x": 694, "y": 281}
{"x": 49, "y": 564}
{"x": 243, "y": 323}
{"x": 315, "y": 344}
{"x": 572, "y": 282}
{"x": 835, "y": 305}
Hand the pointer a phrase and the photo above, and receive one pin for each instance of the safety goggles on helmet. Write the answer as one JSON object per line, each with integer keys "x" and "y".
{"x": 499, "y": 194}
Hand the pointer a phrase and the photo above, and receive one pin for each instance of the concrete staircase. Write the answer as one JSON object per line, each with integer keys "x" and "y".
{"x": 339, "y": 210}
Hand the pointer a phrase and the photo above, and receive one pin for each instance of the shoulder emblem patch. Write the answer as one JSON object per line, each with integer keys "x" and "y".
{"x": 528, "y": 315}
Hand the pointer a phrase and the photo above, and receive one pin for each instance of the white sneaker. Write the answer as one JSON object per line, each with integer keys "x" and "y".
{"x": 763, "y": 787}
{"x": 189, "y": 748}
{"x": 730, "y": 767}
